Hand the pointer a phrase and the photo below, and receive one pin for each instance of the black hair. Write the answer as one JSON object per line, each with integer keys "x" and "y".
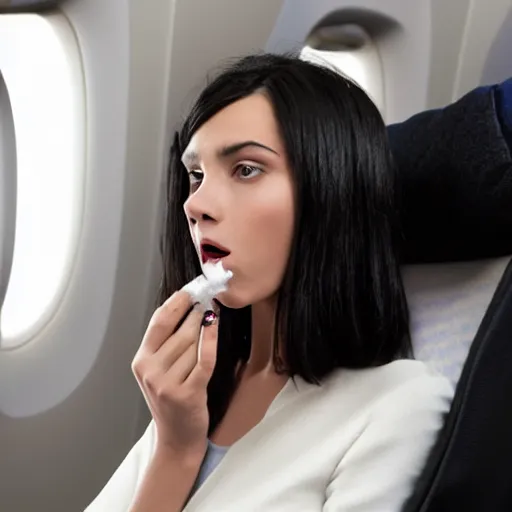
{"x": 342, "y": 301}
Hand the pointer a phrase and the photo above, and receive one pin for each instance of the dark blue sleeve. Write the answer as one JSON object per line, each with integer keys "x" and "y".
{"x": 455, "y": 169}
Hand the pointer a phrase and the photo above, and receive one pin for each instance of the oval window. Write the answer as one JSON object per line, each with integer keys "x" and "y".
{"x": 350, "y": 50}
{"x": 39, "y": 60}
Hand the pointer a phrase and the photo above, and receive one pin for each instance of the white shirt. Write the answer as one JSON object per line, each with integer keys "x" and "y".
{"x": 354, "y": 444}
{"x": 213, "y": 457}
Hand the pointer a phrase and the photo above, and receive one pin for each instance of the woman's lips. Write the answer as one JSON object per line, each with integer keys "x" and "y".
{"x": 205, "y": 257}
{"x": 212, "y": 251}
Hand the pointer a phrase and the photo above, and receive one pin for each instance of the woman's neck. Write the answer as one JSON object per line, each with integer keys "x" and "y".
{"x": 262, "y": 337}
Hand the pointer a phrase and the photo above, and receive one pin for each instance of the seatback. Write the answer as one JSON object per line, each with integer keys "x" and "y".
{"x": 461, "y": 318}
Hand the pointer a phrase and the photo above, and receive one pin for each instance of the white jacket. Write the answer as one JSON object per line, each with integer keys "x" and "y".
{"x": 355, "y": 444}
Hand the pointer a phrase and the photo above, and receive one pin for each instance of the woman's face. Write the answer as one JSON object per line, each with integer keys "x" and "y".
{"x": 241, "y": 198}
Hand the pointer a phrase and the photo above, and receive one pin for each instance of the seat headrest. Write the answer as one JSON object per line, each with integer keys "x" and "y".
{"x": 447, "y": 303}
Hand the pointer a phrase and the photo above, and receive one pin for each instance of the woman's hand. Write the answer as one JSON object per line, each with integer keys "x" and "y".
{"x": 173, "y": 367}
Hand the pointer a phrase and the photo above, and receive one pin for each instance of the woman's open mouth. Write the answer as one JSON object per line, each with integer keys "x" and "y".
{"x": 210, "y": 251}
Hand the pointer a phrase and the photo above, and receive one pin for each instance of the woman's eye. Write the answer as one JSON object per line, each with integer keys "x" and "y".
{"x": 195, "y": 177}
{"x": 247, "y": 171}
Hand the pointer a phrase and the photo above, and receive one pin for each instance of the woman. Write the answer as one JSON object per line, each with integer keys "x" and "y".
{"x": 301, "y": 397}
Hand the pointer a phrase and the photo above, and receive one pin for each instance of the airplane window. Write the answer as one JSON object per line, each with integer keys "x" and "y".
{"x": 350, "y": 50}
{"x": 41, "y": 67}
{"x": 7, "y": 188}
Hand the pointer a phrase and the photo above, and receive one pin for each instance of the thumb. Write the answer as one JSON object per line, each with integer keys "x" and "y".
{"x": 207, "y": 348}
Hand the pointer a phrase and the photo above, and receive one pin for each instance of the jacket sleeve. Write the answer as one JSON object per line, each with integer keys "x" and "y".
{"x": 119, "y": 492}
{"x": 379, "y": 470}
{"x": 455, "y": 173}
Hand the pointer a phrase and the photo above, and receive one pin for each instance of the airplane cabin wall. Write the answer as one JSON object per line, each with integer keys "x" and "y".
{"x": 69, "y": 406}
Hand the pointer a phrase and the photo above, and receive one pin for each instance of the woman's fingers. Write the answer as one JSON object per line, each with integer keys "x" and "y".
{"x": 183, "y": 366}
{"x": 206, "y": 353}
{"x": 186, "y": 357}
{"x": 165, "y": 320}
{"x": 181, "y": 340}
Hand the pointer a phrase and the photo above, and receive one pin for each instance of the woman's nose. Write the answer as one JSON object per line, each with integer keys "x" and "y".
{"x": 202, "y": 206}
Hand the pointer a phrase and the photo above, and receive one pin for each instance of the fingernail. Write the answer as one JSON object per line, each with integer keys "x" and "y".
{"x": 209, "y": 318}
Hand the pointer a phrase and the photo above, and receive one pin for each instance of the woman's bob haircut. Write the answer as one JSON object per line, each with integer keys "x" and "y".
{"x": 342, "y": 302}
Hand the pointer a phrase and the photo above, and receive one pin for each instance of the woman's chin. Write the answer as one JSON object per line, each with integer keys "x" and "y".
{"x": 231, "y": 300}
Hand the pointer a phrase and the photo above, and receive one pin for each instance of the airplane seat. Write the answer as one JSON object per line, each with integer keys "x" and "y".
{"x": 461, "y": 325}
{"x": 457, "y": 169}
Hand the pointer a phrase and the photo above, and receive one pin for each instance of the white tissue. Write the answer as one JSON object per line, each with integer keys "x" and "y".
{"x": 205, "y": 287}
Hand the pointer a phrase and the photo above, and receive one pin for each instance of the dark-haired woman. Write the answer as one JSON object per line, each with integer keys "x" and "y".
{"x": 300, "y": 393}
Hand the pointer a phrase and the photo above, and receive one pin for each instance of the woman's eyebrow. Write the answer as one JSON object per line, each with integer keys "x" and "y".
{"x": 234, "y": 148}
{"x": 191, "y": 158}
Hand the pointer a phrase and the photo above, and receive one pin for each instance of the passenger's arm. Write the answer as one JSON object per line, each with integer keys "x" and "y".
{"x": 148, "y": 477}
{"x": 379, "y": 471}
{"x": 461, "y": 155}
{"x": 168, "y": 480}
{"x": 173, "y": 367}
